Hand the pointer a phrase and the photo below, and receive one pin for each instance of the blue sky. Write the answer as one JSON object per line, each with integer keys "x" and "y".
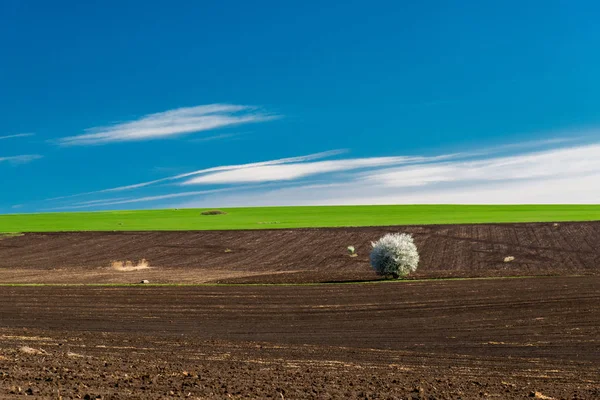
{"x": 151, "y": 104}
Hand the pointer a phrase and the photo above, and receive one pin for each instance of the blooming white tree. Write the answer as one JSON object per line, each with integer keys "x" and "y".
{"x": 395, "y": 254}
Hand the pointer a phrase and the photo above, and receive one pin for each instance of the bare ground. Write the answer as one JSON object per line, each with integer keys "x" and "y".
{"x": 517, "y": 338}
{"x": 300, "y": 255}
{"x": 504, "y": 338}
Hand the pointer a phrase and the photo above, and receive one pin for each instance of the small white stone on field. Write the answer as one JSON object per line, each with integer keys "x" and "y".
{"x": 509, "y": 259}
{"x": 145, "y": 281}
{"x": 352, "y": 251}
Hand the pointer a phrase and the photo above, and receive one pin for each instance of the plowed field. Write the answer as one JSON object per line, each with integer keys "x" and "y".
{"x": 535, "y": 337}
{"x": 299, "y": 255}
{"x": 503, "y": 338}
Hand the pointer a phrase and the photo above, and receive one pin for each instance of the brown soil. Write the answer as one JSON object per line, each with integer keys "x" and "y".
{"x": 500, "y": 339}
{"x": 301, "y": 255}
{"x": 464, "y": 339}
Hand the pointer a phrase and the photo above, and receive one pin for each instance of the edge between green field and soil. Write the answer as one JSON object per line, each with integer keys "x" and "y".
{"x": 255, "y": 218}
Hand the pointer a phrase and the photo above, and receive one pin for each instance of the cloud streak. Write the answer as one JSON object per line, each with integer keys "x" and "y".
{"x": 556, "y": 176}
{"x": 566, "y": 173}
{"x": 123, "y": 200}
{"x": 574, "y": 161}
{"x": 205, "y": 171}
{"x": 171, "y": 123}
{"x": 21, "y": 159}
{"x": 252, "y": 173}
{"x": 294, "y": 169}
{"x": 19, "y": 135}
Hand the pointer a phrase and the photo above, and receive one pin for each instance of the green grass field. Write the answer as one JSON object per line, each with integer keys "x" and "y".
{"x": 294, "y": 217}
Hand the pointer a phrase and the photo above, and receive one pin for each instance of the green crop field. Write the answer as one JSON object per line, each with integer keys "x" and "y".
{"x": 294, "y": 217}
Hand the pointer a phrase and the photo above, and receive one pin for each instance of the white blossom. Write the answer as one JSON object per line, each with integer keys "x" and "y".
{"x": 394, "y": 254}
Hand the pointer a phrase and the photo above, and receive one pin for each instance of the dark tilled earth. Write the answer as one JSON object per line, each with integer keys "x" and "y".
{"x": 299, "y": 255}
{"x": 499, "y": 338}
{"x": 536, "y": 337}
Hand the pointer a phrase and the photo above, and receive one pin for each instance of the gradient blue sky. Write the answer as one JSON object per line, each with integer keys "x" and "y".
{"x": 374, "y": 101}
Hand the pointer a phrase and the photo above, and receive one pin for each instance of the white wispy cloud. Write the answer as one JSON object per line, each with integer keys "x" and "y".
{"x": 549, "y": 171}
{"x": 296, "y": 170}
{"x": 171, "y": 123}
{"x": 574, "y": 161}
{"x": 216, "y": 137}
{"x": 562, "y": 175}
{"x": 123, "y": 200}
{"x": 579, "y": 190}
{"x": 293, "y": 169}
{"x": 206, "y": 171}
{"x": 21, "y": 159}
{"x": 18, "y": 135}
